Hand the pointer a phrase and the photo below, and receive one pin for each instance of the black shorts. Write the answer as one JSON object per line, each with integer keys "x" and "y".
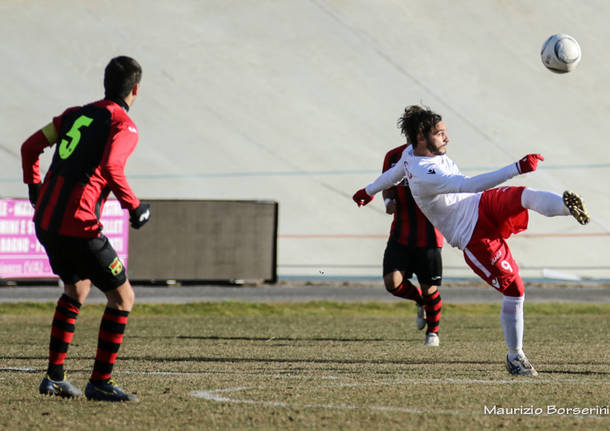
{"x": 74, "y": 259}
{"x": 424, "y": 262}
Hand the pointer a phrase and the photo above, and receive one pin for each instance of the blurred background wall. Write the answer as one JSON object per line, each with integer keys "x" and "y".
{"x": 297, "y": 102}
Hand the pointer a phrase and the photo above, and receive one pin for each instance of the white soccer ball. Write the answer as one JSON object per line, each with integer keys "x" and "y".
{"x": 560, "y": 53}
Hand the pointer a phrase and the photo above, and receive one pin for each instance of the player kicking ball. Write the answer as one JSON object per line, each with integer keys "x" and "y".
{"x": 473, "y": 216}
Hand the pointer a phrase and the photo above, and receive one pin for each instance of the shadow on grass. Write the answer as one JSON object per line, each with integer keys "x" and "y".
{"x": 303, "y": 360}
{"x": 223, "y": 338}
{"x": 311, "y": 361}
{"x": 163, "y": 359}
{"x": 579, "y": 373}
{"x": 216, "y": 338}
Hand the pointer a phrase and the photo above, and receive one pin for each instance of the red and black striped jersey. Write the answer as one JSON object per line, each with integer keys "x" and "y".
{"x": 93, "y": 144}
{"x": 410, "y": 226}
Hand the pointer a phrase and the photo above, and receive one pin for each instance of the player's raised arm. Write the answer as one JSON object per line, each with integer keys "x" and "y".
{"x": 388, "y": 179}
{"x": 482, "y": 182}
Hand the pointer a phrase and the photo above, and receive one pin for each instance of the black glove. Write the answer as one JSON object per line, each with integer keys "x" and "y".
{"x": 33, "y": 192}
{"x": 139, "y": 216}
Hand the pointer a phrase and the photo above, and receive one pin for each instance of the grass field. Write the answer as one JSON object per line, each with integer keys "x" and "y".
{"x": 315, "y": 365}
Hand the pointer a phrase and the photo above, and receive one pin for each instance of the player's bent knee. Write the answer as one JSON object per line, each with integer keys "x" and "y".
{"x": 428, "y": 290}
{"x": 392, "y": 281}
{"x": 121, "y": 298}
{"x": 79, "y": 290}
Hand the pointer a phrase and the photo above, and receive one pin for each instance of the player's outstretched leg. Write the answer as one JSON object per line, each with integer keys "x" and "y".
{"x": 551, "y": 204}
{"x": 576, "y": 206}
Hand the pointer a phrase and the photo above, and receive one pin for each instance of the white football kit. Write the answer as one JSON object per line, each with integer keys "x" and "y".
{"x": 447, "y": 198}
{"x": 451, "y": 202}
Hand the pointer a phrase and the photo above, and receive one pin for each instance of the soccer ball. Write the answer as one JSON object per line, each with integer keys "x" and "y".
{"x": 560, "y": 53}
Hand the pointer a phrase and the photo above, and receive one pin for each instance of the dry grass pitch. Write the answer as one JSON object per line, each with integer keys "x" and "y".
{"x": 315, "y": 365}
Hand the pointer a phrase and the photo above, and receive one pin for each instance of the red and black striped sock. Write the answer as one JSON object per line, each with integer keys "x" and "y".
{"x": 109, "y": 341}
{"x": 62, "y": 330}
{"x": 433, "y": 305}
{"x": 408, "y": 290}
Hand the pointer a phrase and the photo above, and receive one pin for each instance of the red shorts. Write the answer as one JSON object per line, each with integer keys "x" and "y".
{"x": 500, "y": 215}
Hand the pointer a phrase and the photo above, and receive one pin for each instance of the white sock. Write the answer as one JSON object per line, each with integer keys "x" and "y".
{"x": 546, "y": 203}
{"x": 512, "y": 322}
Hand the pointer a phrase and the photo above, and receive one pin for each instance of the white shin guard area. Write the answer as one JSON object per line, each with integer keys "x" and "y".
{"x": 512, "y": 323}
{"x": 546, "y": 203}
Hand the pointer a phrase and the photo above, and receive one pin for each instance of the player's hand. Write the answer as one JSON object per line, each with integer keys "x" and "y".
{"x": 529, "y": 163}
{"x": 361, "y": 197}
{"x": 33, "y": 193}
{"x": 139, "y": 216}
{"x": 390, "y": 206}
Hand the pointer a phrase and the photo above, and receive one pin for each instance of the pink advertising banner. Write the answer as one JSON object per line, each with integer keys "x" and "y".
{"x": 22, "y": 256}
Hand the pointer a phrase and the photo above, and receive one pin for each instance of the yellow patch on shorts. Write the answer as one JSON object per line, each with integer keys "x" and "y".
{"x": 116, "y": 266}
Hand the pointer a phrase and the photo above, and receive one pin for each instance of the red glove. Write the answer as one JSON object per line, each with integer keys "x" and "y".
{"x": 361, "y": 197}
{"x": 529, "y": 163}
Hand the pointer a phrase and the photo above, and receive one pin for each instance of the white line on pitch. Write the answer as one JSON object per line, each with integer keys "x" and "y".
{"x": 213, "y": 396}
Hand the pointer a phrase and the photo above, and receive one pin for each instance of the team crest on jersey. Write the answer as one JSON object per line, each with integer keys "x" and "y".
{"x": 116, "y": 266}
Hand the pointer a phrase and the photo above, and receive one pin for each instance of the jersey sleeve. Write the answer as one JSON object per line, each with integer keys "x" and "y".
{"x": 438, "y": 182}
{"x": 33, "y": 147}
{"x": 122, "y": 143}
{"x": 388, "y": 179}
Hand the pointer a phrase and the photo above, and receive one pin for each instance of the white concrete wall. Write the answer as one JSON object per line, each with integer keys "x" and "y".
{"x": 297, "y": 101}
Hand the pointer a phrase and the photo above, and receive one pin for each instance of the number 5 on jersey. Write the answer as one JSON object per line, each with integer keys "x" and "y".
{"x": 66, "y": 148}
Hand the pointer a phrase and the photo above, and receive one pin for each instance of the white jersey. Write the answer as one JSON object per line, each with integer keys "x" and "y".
{"x": 449, "y": 199}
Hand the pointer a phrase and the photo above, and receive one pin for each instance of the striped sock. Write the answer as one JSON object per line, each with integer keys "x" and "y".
{"x": 433, "y": 305}
{"x": 408, "y": 290}
{"x": 62, "y": 330}
{"x": 109, "y": 341}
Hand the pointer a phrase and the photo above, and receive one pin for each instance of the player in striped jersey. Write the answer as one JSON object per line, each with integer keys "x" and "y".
{"x": 414, "y": 247}
{"x": 92, "y": 144}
